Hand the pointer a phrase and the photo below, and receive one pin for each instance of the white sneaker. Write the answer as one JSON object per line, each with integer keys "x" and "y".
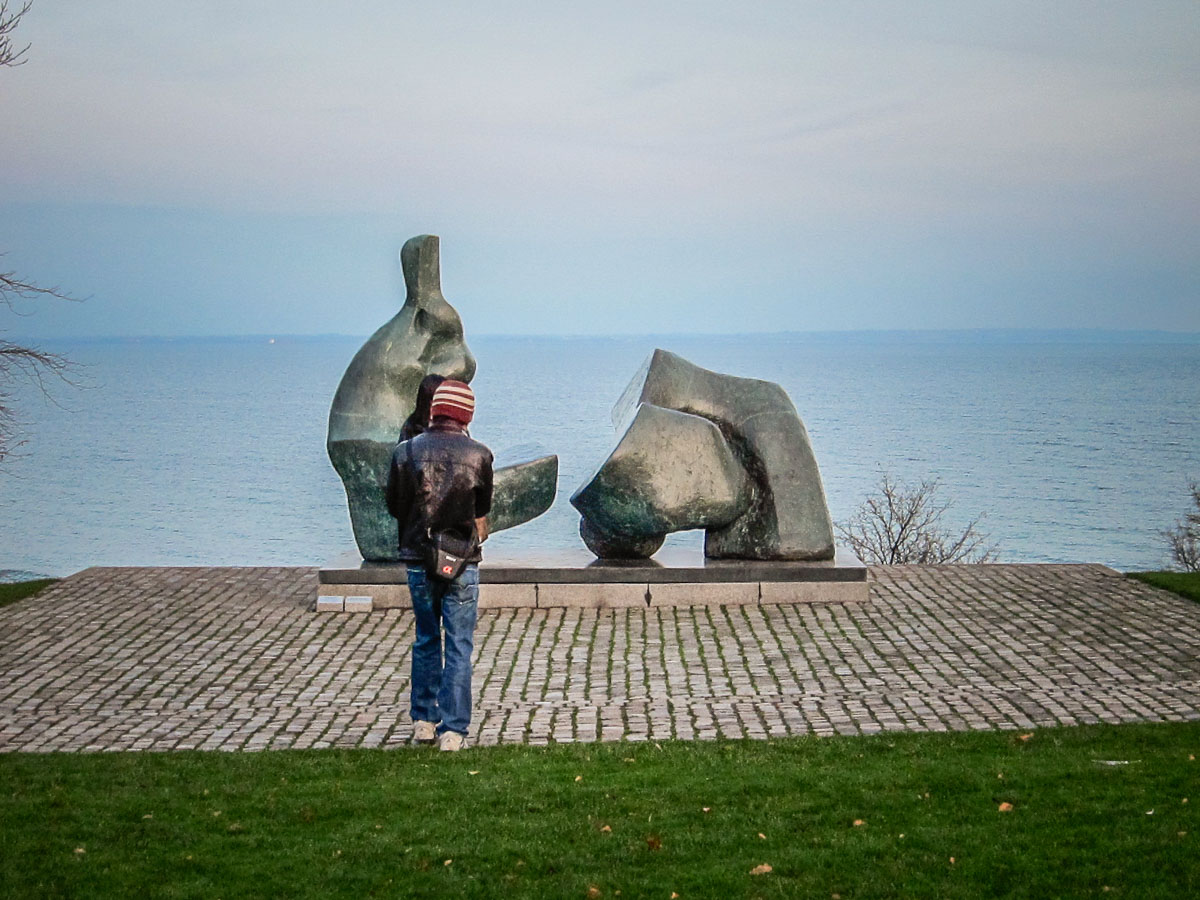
{"x": 424, "y": 732}
{"x": 450, "y": 741}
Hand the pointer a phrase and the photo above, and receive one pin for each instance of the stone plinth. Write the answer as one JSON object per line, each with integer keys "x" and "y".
{"x": 673, "y": 577}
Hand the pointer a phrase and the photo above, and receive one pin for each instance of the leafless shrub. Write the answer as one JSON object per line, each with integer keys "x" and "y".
{"x": 1184, "y": 538}
{"x": 902, "y": 523}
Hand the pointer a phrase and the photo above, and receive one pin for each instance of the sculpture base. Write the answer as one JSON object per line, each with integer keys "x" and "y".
{"x": 546, "y": 579}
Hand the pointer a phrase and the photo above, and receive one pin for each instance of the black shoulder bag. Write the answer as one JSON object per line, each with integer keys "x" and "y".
{"x": 446, "y": 555}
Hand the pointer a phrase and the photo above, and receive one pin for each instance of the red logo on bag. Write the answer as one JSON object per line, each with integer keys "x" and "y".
{"x": 446, "y": 570}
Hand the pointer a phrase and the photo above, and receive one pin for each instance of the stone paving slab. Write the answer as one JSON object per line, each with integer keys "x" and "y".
{"x": 234, "y": 659}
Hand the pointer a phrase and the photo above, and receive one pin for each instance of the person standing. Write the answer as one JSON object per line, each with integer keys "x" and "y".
{"x": 440, "y": 483}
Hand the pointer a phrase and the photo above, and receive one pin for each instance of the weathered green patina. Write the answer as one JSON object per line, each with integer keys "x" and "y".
{"x": 759, "y": 496}
{"x": 523, "y": 491}
{"x": 378, "y": 393}
{"x": 670, "y": 472}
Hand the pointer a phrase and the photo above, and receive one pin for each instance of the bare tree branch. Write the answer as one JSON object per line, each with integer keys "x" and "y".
{"x": 10, "y": 55}
{"x": 903, "y": 524}
{"x": 12, "y": 288}
{"x": 35, "y": 365}
{"x": 17, "y": 361}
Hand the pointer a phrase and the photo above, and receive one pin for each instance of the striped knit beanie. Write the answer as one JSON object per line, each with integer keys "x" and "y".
{"x": 455, "y": 400}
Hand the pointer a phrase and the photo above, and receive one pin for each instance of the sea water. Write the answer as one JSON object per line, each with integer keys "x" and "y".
{"x": 212, "y": 452}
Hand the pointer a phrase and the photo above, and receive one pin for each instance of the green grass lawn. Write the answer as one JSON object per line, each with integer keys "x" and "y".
{"x": 1095, "y": 811}
{"x": 1185, "y": 584}
{"x": 11, "y": 593}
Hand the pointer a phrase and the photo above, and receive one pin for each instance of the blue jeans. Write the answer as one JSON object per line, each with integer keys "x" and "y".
{"x": 441, "y": 691}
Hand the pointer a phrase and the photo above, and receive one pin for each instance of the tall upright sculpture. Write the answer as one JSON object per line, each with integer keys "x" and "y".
{"x": 705, "y": 450}
{"x": 378, "y": 392}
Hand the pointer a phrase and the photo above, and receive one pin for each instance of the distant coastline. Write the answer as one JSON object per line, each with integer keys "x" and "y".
{"x": 863, "y": 336}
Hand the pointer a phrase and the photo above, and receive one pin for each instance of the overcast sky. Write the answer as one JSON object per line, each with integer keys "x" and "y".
{"x": 598, "y": 168}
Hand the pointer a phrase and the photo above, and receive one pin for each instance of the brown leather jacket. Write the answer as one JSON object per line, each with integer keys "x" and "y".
{"x": 438, "y": 481}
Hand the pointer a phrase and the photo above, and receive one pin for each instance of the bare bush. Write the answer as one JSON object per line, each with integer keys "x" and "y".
{"x": 1184, "y": 538}
{"x": 902, "y": 523}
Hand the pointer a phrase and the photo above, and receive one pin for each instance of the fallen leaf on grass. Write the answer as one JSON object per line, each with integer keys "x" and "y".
{"x": 1006, "y": 807}
{"x": 579, "y": 778}
{"x": 762, "y": 836}
{"x": 151, "y": 815}
{"x": 1025, "y": 737}
{"x": 952, "y": 860}
{"x": 607, "y": 829}
{"x": 706, "y": 809}
{"x": 216, "y": 812}
{"x": 858, "y": 822}
{"x": 447, "y": 862}
{"x": 593, "y": 892}
{"x": 476, "y": 772}
{"x": 654, "y": 842}
{"x": 1149, "y": 812}
{"x": 761, "y": 870}
{"x": 80, "y": 850}
{"x": 674, "y": 896}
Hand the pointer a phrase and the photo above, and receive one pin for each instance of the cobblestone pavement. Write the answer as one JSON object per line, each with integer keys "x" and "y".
{"x": 232, "y": 659}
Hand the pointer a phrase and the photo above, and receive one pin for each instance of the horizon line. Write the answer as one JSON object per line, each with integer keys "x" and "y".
{"x": 994, "y": 332}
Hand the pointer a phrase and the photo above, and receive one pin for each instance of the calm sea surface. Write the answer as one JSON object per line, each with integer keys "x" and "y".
{"x": 212, "y": 452}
